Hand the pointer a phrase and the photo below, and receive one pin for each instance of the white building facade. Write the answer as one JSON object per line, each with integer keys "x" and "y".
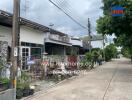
{"x": 34, "y": 39}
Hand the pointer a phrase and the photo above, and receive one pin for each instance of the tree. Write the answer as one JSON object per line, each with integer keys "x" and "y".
{"x": 120, "y": 26}
{"x": 110, "y": 52}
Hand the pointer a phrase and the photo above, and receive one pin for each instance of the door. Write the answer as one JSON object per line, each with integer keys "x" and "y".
{"x": 25, "y": 55}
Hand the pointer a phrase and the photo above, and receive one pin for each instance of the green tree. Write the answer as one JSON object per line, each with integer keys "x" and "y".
{"x": 120, "y": 26}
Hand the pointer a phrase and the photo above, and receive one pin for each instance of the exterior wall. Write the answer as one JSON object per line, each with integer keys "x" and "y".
{"x": 26, "y": 35}
{"x": 54, "y": 49}
{"x": 5, "y": 34}
{"x": 76, "y": 42}
{"x": 57, "y": 39}
{"x": 97, "y": 44}
{"x": 31, "y": 35}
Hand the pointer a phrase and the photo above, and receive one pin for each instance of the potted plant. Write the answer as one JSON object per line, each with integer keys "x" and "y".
{"x": 19, "y": 90}
{"x": 26, "y": 90}
{"x": 23, "y": 87}
{"x": 32, "y": 88}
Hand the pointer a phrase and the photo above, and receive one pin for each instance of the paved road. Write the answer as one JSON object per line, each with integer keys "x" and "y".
{"x": 112, "y": 81}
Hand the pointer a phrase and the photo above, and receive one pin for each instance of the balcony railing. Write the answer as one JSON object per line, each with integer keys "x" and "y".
{"x": 59, "y": 38}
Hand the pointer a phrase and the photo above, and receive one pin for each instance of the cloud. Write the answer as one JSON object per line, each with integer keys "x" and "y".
{"x": 43, "y": 12}
{"x": 6, "y": 5}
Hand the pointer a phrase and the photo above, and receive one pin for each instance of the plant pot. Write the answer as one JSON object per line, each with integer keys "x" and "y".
{"x": 26, "y": 92}
{"x": 19, "y": 93}
{"x": 31, "y": 92}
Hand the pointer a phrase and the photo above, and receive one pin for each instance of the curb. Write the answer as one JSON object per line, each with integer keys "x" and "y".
{"x": 50, "y": 87}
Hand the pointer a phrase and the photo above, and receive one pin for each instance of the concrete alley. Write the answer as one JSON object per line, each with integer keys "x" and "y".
{"x": 111, "y": 81}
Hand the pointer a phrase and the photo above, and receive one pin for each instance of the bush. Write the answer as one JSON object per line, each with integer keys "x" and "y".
{"x": 88, "y": 61}
{"x": 110, "y": 52}
{"x": 92, "y": 57}
{"x": 127, "y": 52}
{"x": 22, "y": 90}
{"x": 23, "y": 87}
{"x": 95, "y": 55}
{"x": 4, "y": 83}
{"x": 19, "y": 91}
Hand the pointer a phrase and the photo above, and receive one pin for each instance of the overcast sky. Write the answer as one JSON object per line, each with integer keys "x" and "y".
{"x": 43, "y": 12}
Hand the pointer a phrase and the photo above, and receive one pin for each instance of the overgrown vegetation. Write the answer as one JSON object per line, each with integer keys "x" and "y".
{"x": 4, "y": 83}
{"x": 127, "y": 53}
{"x": 91, "y": 58}
{"x": 121, "y": 26}
{"x": 98, "y": 55}
{"x": 23, "y": 86}
{"x": 110, "y": 52}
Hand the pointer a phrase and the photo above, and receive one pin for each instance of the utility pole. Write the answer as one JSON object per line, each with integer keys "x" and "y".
{"x": 89, "y": 34}
{"x": 15, "y": 34}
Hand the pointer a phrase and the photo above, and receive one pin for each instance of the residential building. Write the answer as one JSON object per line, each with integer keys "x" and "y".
{"x": 34, "y": 39}
{"x": 77, "y": 45}
{"x": 97, "y": 41}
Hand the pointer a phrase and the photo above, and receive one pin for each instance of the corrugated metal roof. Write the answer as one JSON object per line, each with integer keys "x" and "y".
{"x": 6, "y": 20}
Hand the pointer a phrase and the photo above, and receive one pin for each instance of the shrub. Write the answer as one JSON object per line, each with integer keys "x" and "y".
{"x": 4, "y": 83}
{"x": 87, "y": 61}
{"x": 110, "y": 52}
{"x": 95, "y": 55}
{"x": 23, "y": 87}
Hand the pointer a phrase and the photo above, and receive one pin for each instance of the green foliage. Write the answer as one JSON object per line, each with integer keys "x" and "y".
{"x": 120, "y": 26}
{"x": 87, "y": 61}
{"x": 4, "y": 80}
{"x": 95, "y": 55}
{"x": 110, "y": 52}
{"x": 127, "y": 52}
{"x": 89, "y": 57}
{"x": 24, "y": 77}
{"x": 21, "y": 85}
{"x": 4, "y": 84}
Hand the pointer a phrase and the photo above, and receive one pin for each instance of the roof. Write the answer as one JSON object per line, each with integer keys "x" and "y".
{"x": 6, "y": 20}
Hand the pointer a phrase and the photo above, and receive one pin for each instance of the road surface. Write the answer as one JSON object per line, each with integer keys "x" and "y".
{"x": 111, "y": 81}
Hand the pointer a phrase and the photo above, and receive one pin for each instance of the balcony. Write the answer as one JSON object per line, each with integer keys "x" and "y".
{"x": 59, "y": 38}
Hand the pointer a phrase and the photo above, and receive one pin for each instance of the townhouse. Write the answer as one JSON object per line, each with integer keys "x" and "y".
{"x": 34, "y": 40}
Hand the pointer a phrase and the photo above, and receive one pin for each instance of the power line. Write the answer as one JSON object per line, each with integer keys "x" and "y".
{"x": 61, "y": 3}
{"x": 65, "y": 7}
{"x": 68, "y": 15}
{"x": 68, "y": 8}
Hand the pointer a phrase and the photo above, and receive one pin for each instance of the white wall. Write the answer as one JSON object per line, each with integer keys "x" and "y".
{"x": 26, "y": 35}
{"x": 5, "y": 34}
{"x": 97, "y": 44}
{"x": 31, "y": 35}
{"x": 76, "y": 42}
